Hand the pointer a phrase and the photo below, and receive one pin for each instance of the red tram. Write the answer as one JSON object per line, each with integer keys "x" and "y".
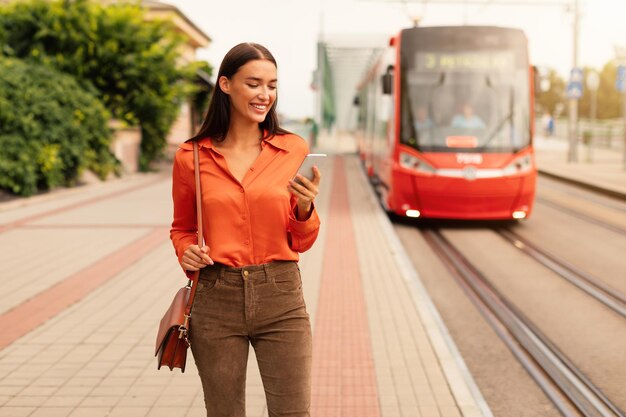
{"x": 445, "y": 123}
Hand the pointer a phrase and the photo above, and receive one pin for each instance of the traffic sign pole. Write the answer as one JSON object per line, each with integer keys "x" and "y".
{"x": 620, "y": 85}
{"x": 573, "y": 100}
{"x": 624, "y": 112}
{"x": 574, "y": 93}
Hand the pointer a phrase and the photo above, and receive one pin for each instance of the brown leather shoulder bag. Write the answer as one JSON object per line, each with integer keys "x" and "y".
{"x": 172, "y": 338}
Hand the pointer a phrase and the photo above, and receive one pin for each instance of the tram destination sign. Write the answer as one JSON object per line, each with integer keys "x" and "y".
{"x": 465, "y": 61}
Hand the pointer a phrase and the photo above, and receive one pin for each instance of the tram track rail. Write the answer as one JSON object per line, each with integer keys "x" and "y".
{"x": 572, "y": 392}
{"x": 607, "y": 295}
{"x": 585, "y": 217}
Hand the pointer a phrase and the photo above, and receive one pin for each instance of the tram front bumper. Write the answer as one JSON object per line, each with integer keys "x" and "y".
{"x": 458, "y": 198}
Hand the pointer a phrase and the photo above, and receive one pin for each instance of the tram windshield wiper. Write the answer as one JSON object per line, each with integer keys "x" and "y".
{"x": 502, "y": 122}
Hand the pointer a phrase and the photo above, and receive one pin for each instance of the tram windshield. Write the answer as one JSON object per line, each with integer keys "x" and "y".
{"x": 474, "y": 101}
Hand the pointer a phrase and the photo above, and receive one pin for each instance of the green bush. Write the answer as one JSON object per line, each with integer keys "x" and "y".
{"x": 51, "y": 129}
{"x": 130, "y": 61}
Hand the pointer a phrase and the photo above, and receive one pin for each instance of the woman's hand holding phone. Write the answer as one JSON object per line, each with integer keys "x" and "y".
{"x": 305, "y": 189}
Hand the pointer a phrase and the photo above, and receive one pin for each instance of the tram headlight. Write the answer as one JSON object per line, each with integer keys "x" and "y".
{"x": 519, "y": 165}
{"x": 409, "y": 161}
{"x": 413, "y": 213}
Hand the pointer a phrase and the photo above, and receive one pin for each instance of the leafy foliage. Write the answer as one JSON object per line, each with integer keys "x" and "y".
{"x": 608, "y": 98}
{"x": 131, "y": 62}
{"x": 51, "y": 129}
{"x": 548, "y": 100}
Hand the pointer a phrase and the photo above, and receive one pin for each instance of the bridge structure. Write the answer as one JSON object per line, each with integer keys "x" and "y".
{"x": 342, "y": 61}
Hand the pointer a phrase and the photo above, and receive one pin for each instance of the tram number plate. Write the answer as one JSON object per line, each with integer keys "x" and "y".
{"x": 469, "y": 158}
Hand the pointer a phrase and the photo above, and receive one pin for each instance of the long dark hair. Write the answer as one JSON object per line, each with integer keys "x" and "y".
{"x": 217, "y": 119}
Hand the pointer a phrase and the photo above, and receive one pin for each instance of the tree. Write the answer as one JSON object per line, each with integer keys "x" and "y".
{"x": 131, "y": 62}
{"x": 51, "y": 129}
{"x": 609, "y": 99}
{"x": 548, "y": 100}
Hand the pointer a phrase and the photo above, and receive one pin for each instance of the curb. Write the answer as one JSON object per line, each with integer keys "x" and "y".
{"x": 582, "y": 184}
{"x": 467, "y": 394}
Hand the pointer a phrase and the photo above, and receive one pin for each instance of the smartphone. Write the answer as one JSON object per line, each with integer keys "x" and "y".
{"x": 306, "y": 168}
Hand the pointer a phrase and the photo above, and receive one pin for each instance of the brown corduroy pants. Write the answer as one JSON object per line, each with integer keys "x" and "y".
{"x": 262, "y": 305}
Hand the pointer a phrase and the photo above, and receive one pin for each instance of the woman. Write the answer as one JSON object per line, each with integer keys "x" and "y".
{"x": 256, "y": 220}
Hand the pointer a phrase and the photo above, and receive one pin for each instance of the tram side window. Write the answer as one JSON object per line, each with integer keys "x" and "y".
{"x": 362, "y": 111}
{"x": 371, "y": 109}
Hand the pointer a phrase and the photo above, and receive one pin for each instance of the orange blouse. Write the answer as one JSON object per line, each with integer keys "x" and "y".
{"x": 246, "y": 223}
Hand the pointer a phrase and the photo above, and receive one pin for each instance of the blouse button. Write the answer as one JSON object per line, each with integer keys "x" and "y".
{"x": 241, "y": 190}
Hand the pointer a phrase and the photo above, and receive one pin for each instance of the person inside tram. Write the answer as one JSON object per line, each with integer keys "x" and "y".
{"x": 422, "y": 119}
{"x": 467, "y": 119}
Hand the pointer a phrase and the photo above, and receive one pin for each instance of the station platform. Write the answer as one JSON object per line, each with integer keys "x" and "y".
{"x": 87, "y": 274}
{"x": 598, "y": 168}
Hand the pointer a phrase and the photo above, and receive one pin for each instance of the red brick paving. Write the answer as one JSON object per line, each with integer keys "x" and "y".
{"x": 344, "y": 383}
{"x": 32, "y": 313}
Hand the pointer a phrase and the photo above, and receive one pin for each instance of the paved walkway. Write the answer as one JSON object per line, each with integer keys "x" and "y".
{"x": 87, "y": 274}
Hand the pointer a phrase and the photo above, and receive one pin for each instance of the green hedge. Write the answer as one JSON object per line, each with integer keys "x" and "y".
{"x": 130, "y": 61}
{"x": 51, "y": 129}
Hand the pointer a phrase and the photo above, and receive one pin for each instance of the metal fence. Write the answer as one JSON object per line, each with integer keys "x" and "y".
{"x": 599, "y": 133}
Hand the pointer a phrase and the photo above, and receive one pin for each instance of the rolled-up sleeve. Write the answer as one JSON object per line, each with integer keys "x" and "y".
{"x": 303, "y": 233}
{"x": 184, "y": 230}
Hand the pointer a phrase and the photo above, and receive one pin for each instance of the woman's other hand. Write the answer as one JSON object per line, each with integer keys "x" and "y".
{"x": 196, "y": 258}
{"x": 305, "y": 192}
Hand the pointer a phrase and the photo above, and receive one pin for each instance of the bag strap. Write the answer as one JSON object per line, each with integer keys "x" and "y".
{"x": 194, "y": 279}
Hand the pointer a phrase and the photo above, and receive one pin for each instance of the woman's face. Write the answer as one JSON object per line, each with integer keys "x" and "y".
{"x": 252, "y": 90}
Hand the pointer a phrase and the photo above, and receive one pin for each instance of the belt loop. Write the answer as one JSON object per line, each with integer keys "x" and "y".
{"x": 266, "y": 271}
{"x": 222, "y": 268}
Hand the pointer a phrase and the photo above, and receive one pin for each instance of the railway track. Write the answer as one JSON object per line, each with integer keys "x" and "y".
{"x": 572, "y": 392}
{"x": 562, "y": 208}
{"x": 611, "y": 297}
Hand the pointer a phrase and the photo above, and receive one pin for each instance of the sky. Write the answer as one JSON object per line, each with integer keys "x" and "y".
{"x": 290, "y": 30}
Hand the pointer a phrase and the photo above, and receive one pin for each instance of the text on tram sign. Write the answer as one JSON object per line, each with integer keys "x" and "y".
{"x": 478, "y": 61}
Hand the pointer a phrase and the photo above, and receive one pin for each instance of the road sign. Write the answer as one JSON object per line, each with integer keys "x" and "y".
{"x": 592, "y": 80}
{"x": 620, "y": 81}
{"x": 576, "y": 75}
{"x": 575, "y": 84}
{"x": 574, "y": 90}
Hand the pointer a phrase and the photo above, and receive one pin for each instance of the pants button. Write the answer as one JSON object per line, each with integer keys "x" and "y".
{"x": 245, "y": 274}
